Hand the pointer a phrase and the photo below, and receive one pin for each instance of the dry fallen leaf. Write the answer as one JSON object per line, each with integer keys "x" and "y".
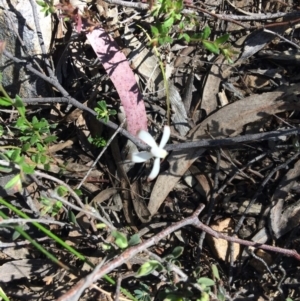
{"x": 25, "y": 268}
{"x": 147, "y": 64}
{"x": 220, "y": 247}
{"x": 209, "y": 101}
{"x": 282, "y": 222}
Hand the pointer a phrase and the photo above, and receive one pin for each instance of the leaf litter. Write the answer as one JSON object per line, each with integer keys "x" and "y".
{"x": 187, "y": 177}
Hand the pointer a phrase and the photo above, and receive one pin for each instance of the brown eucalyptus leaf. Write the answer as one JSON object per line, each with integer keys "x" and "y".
{"x": 281, "y": 221}
{"x": 147, "y": 65}
{"x": 139, "y": 203}
{"x": 25, "y": 268}
{"x": 209, "y": 101}
{"x": 228, "y": 121}
{"x": 199, "y": 180}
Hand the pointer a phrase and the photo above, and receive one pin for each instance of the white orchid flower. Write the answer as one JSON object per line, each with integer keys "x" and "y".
{"x": 157, "y": 151}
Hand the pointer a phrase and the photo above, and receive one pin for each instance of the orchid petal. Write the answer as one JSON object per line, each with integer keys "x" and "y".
{"x": 141, "y": 157}
{"x": 158, "y": 152}
{"x": 147, "y": 138}
{"x": 165, "y": 137}
{"x": 155, "y": 170}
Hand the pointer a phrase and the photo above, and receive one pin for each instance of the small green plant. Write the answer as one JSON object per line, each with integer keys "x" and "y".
{"x": 97, "y": 141}
{"x": 172, "y": 258}
{"x": 169, "y": 13}
{"x": 148, "y": 267}
{"x": 207, "y": 283}
{"x": 47, "y": 7}
{"x": 122, "y": 242}
{"x": 29, "y": 141}
{"x": 218, "y": 46}
{"x": 142, "y": 293}
{"x": 103, "y": 112}
{"x": 50, "y": 206}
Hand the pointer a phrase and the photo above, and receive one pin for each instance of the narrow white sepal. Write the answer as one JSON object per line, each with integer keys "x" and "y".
{"x": 165, "y": 137}
{"x": 155, "y": 170}
{"x": 141, "y": 157}
{"x": 147, "y": 138}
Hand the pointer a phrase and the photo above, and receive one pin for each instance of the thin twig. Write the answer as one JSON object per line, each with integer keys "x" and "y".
{"x": 259, "y": 190}
{"x": 21, "y": 221}
{"x": 282, "y": 38}
{"x": 211, "y": 201}
{"x": 101, "y": 153}
{"x": 40, "y": 38}
{"x": 133, "y": 251}
{"x": 70, "y": 100}
{"x": 206, "y": 143}
{"x": 213, "y": 143}
{"x": 259, "y": 17}
{"x": 91, "y": 213}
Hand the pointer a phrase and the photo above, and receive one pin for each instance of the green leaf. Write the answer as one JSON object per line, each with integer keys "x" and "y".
{"x": 102, "y": 105}
{"x": 15, "y": 183}
{"x": 168, "y": 23}
{"x": 72, "y": 217}
{"x": 62, "y": 191}
{"x": 105, "y": 118}
{"x": 165, "y": 40}
{"x": 40, "y": 147}
{"x": 120, "y": 239}
{"x": 215, "y": 271}
{"x": 196, "y": 37}
{"x": 1, "y": 130}
{"x": 106, "y": 247}
{"x": 179, "y": 5}
{"x": 177, "y": 251}
{"x": 221, "y": 294}
{"x": 47, "y": 166}
{"x": 56, "y": 208}
{"x": 27, "y": 169}
{"x": 16, "y": 155}
{"x": 50, "y": 139}
{"x": 174, "y": 297}
{"x": 206, "y": 32}
{"x": 41, "y": 3}
{"x": 148, "y": 267}
{"x": 16, "y": 235}
{"x": 5, "y": 102}
{"x": 222, "y": 39}
{"x": 112, "y": 112}
{"x": 205, "y": 281}
{"x": 155, "y": 31}
{"x": 101, "y": 226}
{"x": 44, "y": 159}
{"x": 204, "y": 296}
{"x": 5, "y": 169}
{"x": 134, "y": 240}
{"x": 34, "y": 120}
{"x": 78, "y": 192}
{"x": 35, "y": 158}
{"x": 22, "y": 124}
{"x": 185, "y": 36}
{"x": 211, "y": 46}
{"x": 34, "y": 139}
{"x": 26, "y": 147}
{"x": 20, "y": 105}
